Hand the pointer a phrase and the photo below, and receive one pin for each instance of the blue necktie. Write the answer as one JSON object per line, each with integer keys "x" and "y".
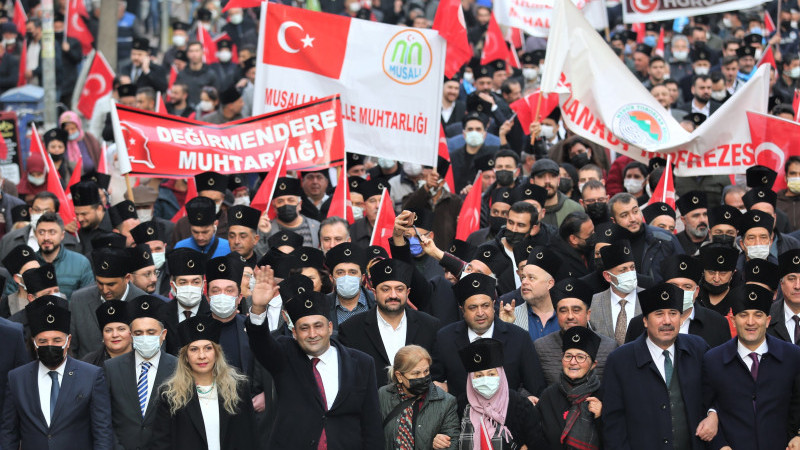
{"x": 142, "y": 387}
{"x": 667, "y": 367}
{"x": 54, "y": 388}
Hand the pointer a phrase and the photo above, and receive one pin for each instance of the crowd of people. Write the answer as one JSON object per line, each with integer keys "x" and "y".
{"x": 581, "y": 314}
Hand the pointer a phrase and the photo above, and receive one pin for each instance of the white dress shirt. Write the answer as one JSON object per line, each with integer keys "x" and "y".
{"x": 393, "y": 338}
{"x": 181, "y": 309}
{"x": 630, "y": 307}
{"x": 790, "y": 325}
{"x": 448, "y": 111}
{"x": 274, "y": 312}
{"x": 657, "y": 353}
{"x": 686, "y": 323}
{"x": 151, "y": 372}
{"x": 32, "y": 241}
{"x": 510, "y": 253}
{"x": 744, "y": 353}
{"x": 704, "y": 110}
{"x": 209, "y": 407}
{"x": 472, "y": 335}
{"x": 328, "y": 368}
{"x": 45, "y": 384}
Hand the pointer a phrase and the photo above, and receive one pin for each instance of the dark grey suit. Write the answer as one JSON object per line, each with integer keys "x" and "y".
{"x": 86, "y": 334}
{"x": 601, "y": 320}
{"x": 131, "y": 430}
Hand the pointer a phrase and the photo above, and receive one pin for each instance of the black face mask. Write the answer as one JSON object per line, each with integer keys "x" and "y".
{"x": 712, "y": 289}
{"x": 57, "y": 158}
{"x": 786, "y": 25}
{"x": 514, "y": 237}
{"x": 598, "y": 212}
{"x": 565, "y": 185}
{"x": 504, "y": 177}
{"x": 419, "y": 386}
{"x": 496, "y": 223}
{"x": 28, "y": 36}
{"x": 287, "y": 213}
{"x": 579, "y": 160}
{"x": 723, "y": 239}
{"x": 50, "y": 355}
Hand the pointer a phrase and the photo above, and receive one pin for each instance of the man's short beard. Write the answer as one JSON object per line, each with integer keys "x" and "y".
{"x": 696, "y": 232}
{"x": 48, "y": 252}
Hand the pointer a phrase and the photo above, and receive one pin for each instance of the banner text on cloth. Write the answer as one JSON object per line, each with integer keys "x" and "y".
{"x": 177, "y": 146}
{"x": 533, "y": 16}
{"x": 657, "y": 10}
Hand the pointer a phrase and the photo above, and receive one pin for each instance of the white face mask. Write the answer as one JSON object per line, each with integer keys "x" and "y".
{"x": 206, "y": 106}
{"x": 680, "y": 55}
{"x": 626, "y": 282}
{"x": 187, "y": 296}
{"x": 468, "y": 77}
{"x": 236, "y": 19}
{"x": 358, "y": 212}
{"x": 412, "y": 169}
{"x": 580, "y": 186}
{"x": 474, "y": 138}
{"x": 793, "y": 183}
{"x": 688, "y": 299}
{"x": 355, "y": 7}
{"x": 719, "y": 95}
{"x": 179, "y": 41}
{"x": 758, "y": 54}
{"x": 217, "y": 207}
{"x": 147, "y": 346}
{"x": 794, "y": 72}
{"x": 757, "y": 251}
{"x": 34, "y": 220}
{"x": 632, "y": 185}
{"x": 384, "y": 163}
{"x": 145, "y": 214}
{"x": 726, "y": 22}
{"x": 37, "y": 181}
{"x": 530, "y": 73}
{"x": 224, "y": 55}
{"x": 486, "y": 386}
{"x": 548, "y": 132}
{"x": 222, "y": 305}
{"x": 701, "y": 70}
{"x": 159, "y": 258}
{"x": 243, "y": 200}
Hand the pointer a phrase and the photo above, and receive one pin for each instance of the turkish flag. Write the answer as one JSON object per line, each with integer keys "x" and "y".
{"x": 241, "y": 4}
{"x": 173, "y": 75}
{"x": 98, "y": 84}
{"x": 77, "y": 29}
{"x": 340, "y": 203}
{"x": 75, "y": 178}
{"x": 384, "y": 223}
{"x": 486, "y": 440}
{"x": 769, "y": 25}
{"x": 20, "y": 18}
{"x": 79, "y": 6}
{"x": 469, "y": 219}
{"x": 494, "y": 44}
{"x": 445, "y": 153}
{"x": 640, "y": 30}
{"x": 526, "y": 108}
{"x": 660, "y": 43}
{"x": 515, "y": 38}
{"x": 191, "y": 192}
{"x": 209, "y": 45}
{"x": 66, "y": 210}
{"x": 767, "y": 58}
{"x": 305, "y": 40}
{"x": 449, "y": 22}
{"x": 102, "y": 165}
{"x": 23, "y": 62}
{"x": 665, "y": 189}
{"x": 161, "y": 108}
{"x": 774, "y": 140}
{"x": 796, "y": 105}
{"x": 263, "y": 198}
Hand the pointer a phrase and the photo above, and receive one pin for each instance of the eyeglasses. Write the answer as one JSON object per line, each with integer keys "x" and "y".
{"x": 580, "y": 358}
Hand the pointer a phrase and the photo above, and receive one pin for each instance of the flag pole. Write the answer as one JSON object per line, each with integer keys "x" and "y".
{"x": 538, "y": 107}
{"x": 66, "y": 24}
{"x": 666, "y": 180}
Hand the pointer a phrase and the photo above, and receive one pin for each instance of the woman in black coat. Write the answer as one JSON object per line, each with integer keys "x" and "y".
{"x": 570, "y": 409}
{"x": 206, "y": 403}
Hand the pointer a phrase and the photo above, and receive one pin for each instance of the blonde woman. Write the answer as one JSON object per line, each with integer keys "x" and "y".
{"x": 206, "y": 403}
{"x": 416, "y": 413}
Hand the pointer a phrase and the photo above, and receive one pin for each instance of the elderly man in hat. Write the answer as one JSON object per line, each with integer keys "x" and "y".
{"x": 536, "y": 314}
{"x": 210, "y": 185}
{"x": 476, "y": 294}
{"x": 659, "y": 215}
{"x": 747, "y": 379}
{"x": 613, "y": 308}
{"x": 90, "y": 213}
{"x": 150, "y": 234}
{"x": 332, "y": 387}
{"x": 572, "y": 300}
{"x": 286, "y": 200}
{"x": 382, "y": 331}
{"x": 144, "y": 72}
{"x": 694, "y": 215}
{"x": 187, "y": 270}
{"x": 347, "y": 265}
{"x": 652, "y": 387}
{"x": 785, "y": 312}
{"x": 686, "y": 272}
{"x": 142, "y": 371}
{"x": 243, "y": 232}
{"x": 113, "y": 282}
{"x": 203, "y": 225}
{"x": 57, "y": 401}
{"x": 756, "y": 231}
{"x": 315, "y": 198}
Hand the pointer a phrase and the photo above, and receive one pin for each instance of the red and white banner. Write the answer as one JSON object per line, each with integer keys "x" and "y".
{"x": 665, "y": 189}
{"x": 526, "y": 108}
{"x": 535, "y": 16}
{"x": 341, "y": 206}
{"x": 20, "y": 18}
{"x": 76, "y": 26}
{"x": 389, "y": 77}
{"x": 154, "y": 144}
{"x": 98, "y": 84}
{"x": 66, "y": 210}
{"x": 384, "y": 223}
{"x": 774, "y": 141}
{"x": 263, "y": 198}
{"x": 656, "y": 10}
{"x": 605, "y": 103}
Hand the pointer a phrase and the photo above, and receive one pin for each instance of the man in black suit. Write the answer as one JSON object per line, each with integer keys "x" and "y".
{"x": 382, "y": 331}
{"x": 143, "y": 71}
{"x": 330, "y": 388}
{"x": 685, "y": 272}
{"x": 148, "y": 364}
{"x": 14, "y": 356}
{"x": 785, "y": 324}
{"x": 187, "y": 269}
{"x": 476, "y": 295}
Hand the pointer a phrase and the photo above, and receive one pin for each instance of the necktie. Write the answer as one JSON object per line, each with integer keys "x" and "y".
{"x": 796, "y": 329}
{"x": 142, "y": 386}
{"x": 667, "y": 367}
{"x": 54, "y": 388}
{"x": 187, "y": 314}
{"x": 754, "y": 367}
{"x": 323, "y": 439}
{"x": 622, "y": 323}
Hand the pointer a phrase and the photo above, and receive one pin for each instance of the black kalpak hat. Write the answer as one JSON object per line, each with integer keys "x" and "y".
{"x": 280, "y": 262}
{"x": 140, "y": 257}
{"x": 45, "y": 314}
{"x": 423, "y": 218}
{"x": 199, "y": 328}
{"x": 141, "y": 43}
{"x": 295, "y": 284}
{"x": 236, "y": 181}
{"x": 309, "y": 257}
{"x": 110, "y": 262}
{"x": 369, "y": 188}
{"x": 229, "y": 95}
{"x": 462, "y": 250}
{"x": 112, "y": 311}
{"x": 287, "y": 186}
{"x": 690, "y": 201}
{"x": 759, "y": 195}
{"x": 682, "y": 266}
{"x": 201, "y": 211}
{"x": 20, "y": 213}
{"x": 56, "y": 134}
{"x": 40, "y": 278}
{"x": 85, "y": 193}
{"x": 750, "y": 296}
{"x": 376, "y": 251}
{"x": 103, "y": 180}
{"x": 109, "y": 239}
{"x": 474, "y": 284}
{"x": 723, "y": 215}
{"x": 789, "y": 262}
{"x": 719, "y": 257}
{"x": 18, "y": 257}
{"x": 755, "y": 219}
{"x": 761, "y": 271}
{"x": 127, "y": 90}
{"x": 186, "y": 262}
{"x": 485, "y": 162}
{"x": 620, "y": 252}
{"x": 178, "y": 25}
{"x": 581, "y": 338}
{"x": 482, "y": 354}
{"x": 307, "y": 304}
{"x": 546, "y": 259}
{"x": 657, "y": 209}
{"x": 211, "y": 181}
{"x": 760, "y": 176}
{"x": 146, "y": 232}
{"x": 285, "y": 237}
{"x": 346, "y": 252}
{"x": 503, "y": 195}
{"x": 145, "y": 306}
{"x": 523, "y": 249}
{"x": 571, "y": 287}
{"x": 354, "y": 159}
{"x": 390, "y": 270}
{"x": 121, "y": 212}
{"x": 244, "y": 216}
{"x": 661, "y": 296}
{"x": 228, "y": 267}
{"x": 493, "y": 256}
{"x": 745, "y": 50}
{"x": 607, "y": 232}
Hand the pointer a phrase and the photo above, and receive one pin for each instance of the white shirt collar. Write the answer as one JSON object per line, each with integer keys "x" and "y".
{"x": 45, "y": 372}
{"x": 744, "y": 352}
{"x": 124, "y": 296}
{"x": 630, "y": 298}
{"x": 383, "y": 323}
{"x": 153, "y": 361}
{"x": 328, "y": 357}
{"x": 656, "y": 350}
{"x": 787, "y": 317}
{"x": 472, "y": 335}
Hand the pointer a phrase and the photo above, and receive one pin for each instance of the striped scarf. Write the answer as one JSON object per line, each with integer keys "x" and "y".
{"x": 404, "y": 440}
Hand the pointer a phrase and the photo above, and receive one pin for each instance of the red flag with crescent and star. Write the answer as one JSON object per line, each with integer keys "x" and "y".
{"x": 77, "y": 29}
{"x": 20, "y": 18}
{"x": 98, "y": 83}
{"x": 774, "y": 140}
{"x": 67, "y": 210}
{"x": 450, "y": 24}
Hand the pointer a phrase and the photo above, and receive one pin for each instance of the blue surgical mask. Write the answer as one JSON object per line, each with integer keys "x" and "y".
{"x": 74, "y": 136}
{"x": 415, "y": 246}
{"x": 650, "y": 41}
{"x": 347, "y": 286}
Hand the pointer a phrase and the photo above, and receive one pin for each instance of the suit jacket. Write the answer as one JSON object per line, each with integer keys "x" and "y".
{"x": 707, "y": 324}
{"x": 86, "y": 334}
{"x": 169, "y": 316}
{"x": 361, "y": 333}
{"x": 81, "y": 419}
{"x": 729, "y": 387}
{"x": 521, "y": 364}
{"x": 14, "y": 354}
{"x": 636, "y": 406}
{"x": 156, "y": 79}
{"x": 354, "y": 419}
{"x": 186, "y": 429}
{"x": 602, "y": 320}
{"x": 777, "y": 325}
{"x": 131, "y": 430}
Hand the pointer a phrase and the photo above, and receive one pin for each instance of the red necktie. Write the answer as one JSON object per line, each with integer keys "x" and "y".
{"x": 323, "y": 439}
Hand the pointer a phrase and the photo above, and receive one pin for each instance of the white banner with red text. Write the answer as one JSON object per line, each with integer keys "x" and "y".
{"x": 634, "y": 11}
{"x": 534, "y": 16}
{"x": 155, "y": 144}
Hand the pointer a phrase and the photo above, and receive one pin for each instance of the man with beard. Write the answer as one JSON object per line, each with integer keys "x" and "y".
{"x": 382, "y": 331}
{"x": 90, "y": 213}
{"x": 143, "y": 268}
{"x": 519, "y": 224}
{"x": 594, "y": 200}
{"x": 507, "y": 172}
{"x": 694, "y": 215}
{"x": 574, "y": 242}
{"x": 546, "y": 174}
{"x": 536, "y": 314}
{"x": 701, "y": 91}
{"x": 73, "y": 270}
